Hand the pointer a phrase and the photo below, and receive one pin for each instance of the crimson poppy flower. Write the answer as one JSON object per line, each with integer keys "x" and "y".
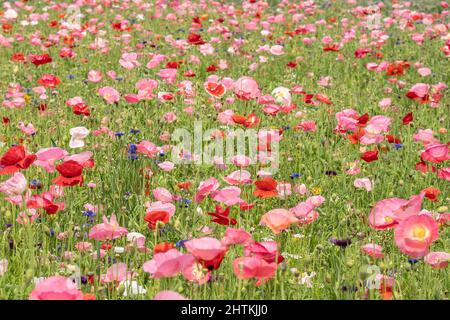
{"x": 221, "y": 216}
{"x": 70, "y": 174}
{"x": 211, "y": 68}
{"x": 362, "y": 120}
{"x": 5, "y": 120}
{"x": 392, "y": 139}
{"x": 153, "y": 217}
{"x": 40, "y": 59}
{"x": 18, "y": 57}
{"x": 323, "y": 98}
{"x": 266, "y": 188}
{"x": 195, "y": 39}
{"x": 214, "y": 264}
{"x": 49, "y": 80}
{"x": 370, "y": 156}
{"x": 215, "y": 89}
{"x": 424, "y": 167}
{"x": 15, "y": 159}
{"x": 407, "y": 118}
{"x": 81, "y": 109}
{"x": 291, "y": 64}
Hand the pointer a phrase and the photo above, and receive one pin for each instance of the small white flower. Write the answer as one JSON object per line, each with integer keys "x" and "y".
{"x": 282, "y": 95}
{"x": 132, "y": 288}
{"x": 78, "y": 135}
{"x": 119, "y": 250}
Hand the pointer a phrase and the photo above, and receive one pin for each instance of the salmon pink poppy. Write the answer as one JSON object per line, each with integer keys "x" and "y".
{"x": 414, "y": 235}
{"x": 278, "y": 219}
{"x": 47, "y": 157}
{"x": 237, "y": 237}
{"x": 15, "y": 159}
{"x": 169, "y": 295}
{"x": 209, "y": 251}
{"x": 14, "y": 187}
{"x": 238, "y": 177}
{"x": 215, "y": 89}
{"x": 56, "y": 288}
{"x": 109, "y": 94}
{"x": 49, "y": 81}
{"x": 117, "y": 273}
{"x": 436, "y": 153}
{"x": 205, "y": 188}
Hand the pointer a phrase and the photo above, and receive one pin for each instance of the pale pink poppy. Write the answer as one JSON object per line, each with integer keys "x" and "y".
{"x": 436, "y": 153}
{"x": 241, "y": 161}
{"x": 437, "y": 259}
{"x": 205, "y": 188}
{"x": 107, "y": 230}
{"x": 14, "y": 187}
{"x": 129, "y": 61}
{"x": 117, "y": 273}
{"x": 246, "y": 88}
{"x": 228, "y": 196}
{"x": 28, "y": 216}
{"x": 284, "y": 190}
{"x": 226, "y": 117}
{"x": 56, "y": 288}
{"x": 424, "y": 72}
{"x": 160, "y": 206}
{"x": 168, "y": 264}
{"x": 385, "y": 103}
{"x": 276, "y": 50}
{"x": 46, "y": 158}
{"x": 83, "y": 246}
{"x": 425, "y": 136}
{"x": 166, "y": 166}
{"x": 444, "y": 174}
{"x": 27, "y": 129}
{"x": 205, "y": 248}
{"x": 110, "y": 94}
{"x": 77, "y": 136}
{"x": 169, "y": 295}
{"x": 94, "y": 76}
{"x": 278, "y": 219}
{"x": 373, "y": 250}
{"x": 254, "y": 267}
{"x": 169, "y": 117}
{"x": 155, "y": 61}
{"x": 414, "y": 235}
{"x": 168, "y": 75}
{"x": 162, "y": 194}
{"x": 363, "y": 183}
{"x": 238, "y": 177}
{"x": 83, "y": 158}
{"x": 197, "y": 273}
{"x": 236, "y": 237}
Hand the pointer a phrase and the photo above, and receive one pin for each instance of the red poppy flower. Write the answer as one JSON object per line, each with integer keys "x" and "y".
{"x": 81, "y": 109}
{"x": 215, "y": 89}
{"x": 154, "y": 216}
{"x": 424, "y": 167}
{"x": 195, "y": 39}
{"x": 163, "y": 247}
{"x": 40, "y": 59}
{"x": 15, "y": 159}
{"x": 392, "y": 139}
{"x": 431, "y": 193}
{"x": 407, "y": 118}
{"x": 189, "y": 73}
{"x": 214, "y": 264}
{"x": 184, "y": 185}
{"x": 251, "y": 121}
{"x": 49, "y": 80}
{"x": 239, "y": 119}
{"x": 266, "y": 188}
{"x": 354, "y": 137}
{"x": 221, "y": 216}
{"x": 370, "y": 156}
{"x": 323, "y": 98}
{"x": 18, "y": 57}
{"x": 5, "y": 120}
{"x": 362, "y": 120}
{"x": 211, "y": 68}
{"x": 291, "y": 64}
{"x": 70, "y": 174}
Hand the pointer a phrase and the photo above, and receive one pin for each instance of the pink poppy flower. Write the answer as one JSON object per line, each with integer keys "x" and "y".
{"x": 160, "y": 206}
{"x": 56, "y": 288}
{"x": 278, "y": 219}
{"x": 238, "y": 177}
{"x": 444, "y": 174}
{"x": 129, "y": 61}
{"x": 228, "y": 196}
{"x": 424, "y": 72}
{"x": 414, "y": 235}
{"x": 83, "y": 246}
{"x": 437, "y": 259}
{"x": 166, "y": 166}
{"x": 363, "y": 183}
{"x": 94, "y": 76}
{"x": 426, "y": 137}
{"x": 169, "y": 295}
{"x": 205, "y": 188}
{"x": 254, "y": 267}
{"x": 169, "y": 117}
{"x": 168, "y": 75}
{"x": 14, "y": 187}
{"x": 373, "y": 250}
{"x": 419, "y": 92}
{"x": 168, "y": 264}
{"x": 241, "y": 161}
{"x": 436, "y": 153}
{"x": 205, "y": 248}
{"x": 110, "y": 94}
{"x": 148, "y": 148}
{"x": 385, "y": 103}
{"x": 226, "y": 117}
{"x": 236, "y": 237}
{"x": 197, "y": 273}
{"x": 107, "y": 230}
{"x": 163, "y": 195}
{"x": 117, "y": 273}
{"x": 276, "y": 50}
{"x": 47, "y": 157}
{"x": 246, "y": 88}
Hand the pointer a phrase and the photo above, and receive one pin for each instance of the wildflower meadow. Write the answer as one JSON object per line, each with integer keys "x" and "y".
{"x": 211, "y": 150}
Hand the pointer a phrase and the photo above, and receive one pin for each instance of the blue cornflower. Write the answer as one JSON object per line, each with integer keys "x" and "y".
{"x": 119, "y": 134}
{"x": 398, "y": 146}
{"x": 295, "y": 175}
{"x": 89, "y": 213}
{"x": 71, "y": 76}
{"x": 135, "y": 131}
{"x": 180, "y": 243}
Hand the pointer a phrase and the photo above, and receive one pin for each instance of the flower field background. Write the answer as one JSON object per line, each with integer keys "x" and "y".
{"x": 352, "y": 203}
